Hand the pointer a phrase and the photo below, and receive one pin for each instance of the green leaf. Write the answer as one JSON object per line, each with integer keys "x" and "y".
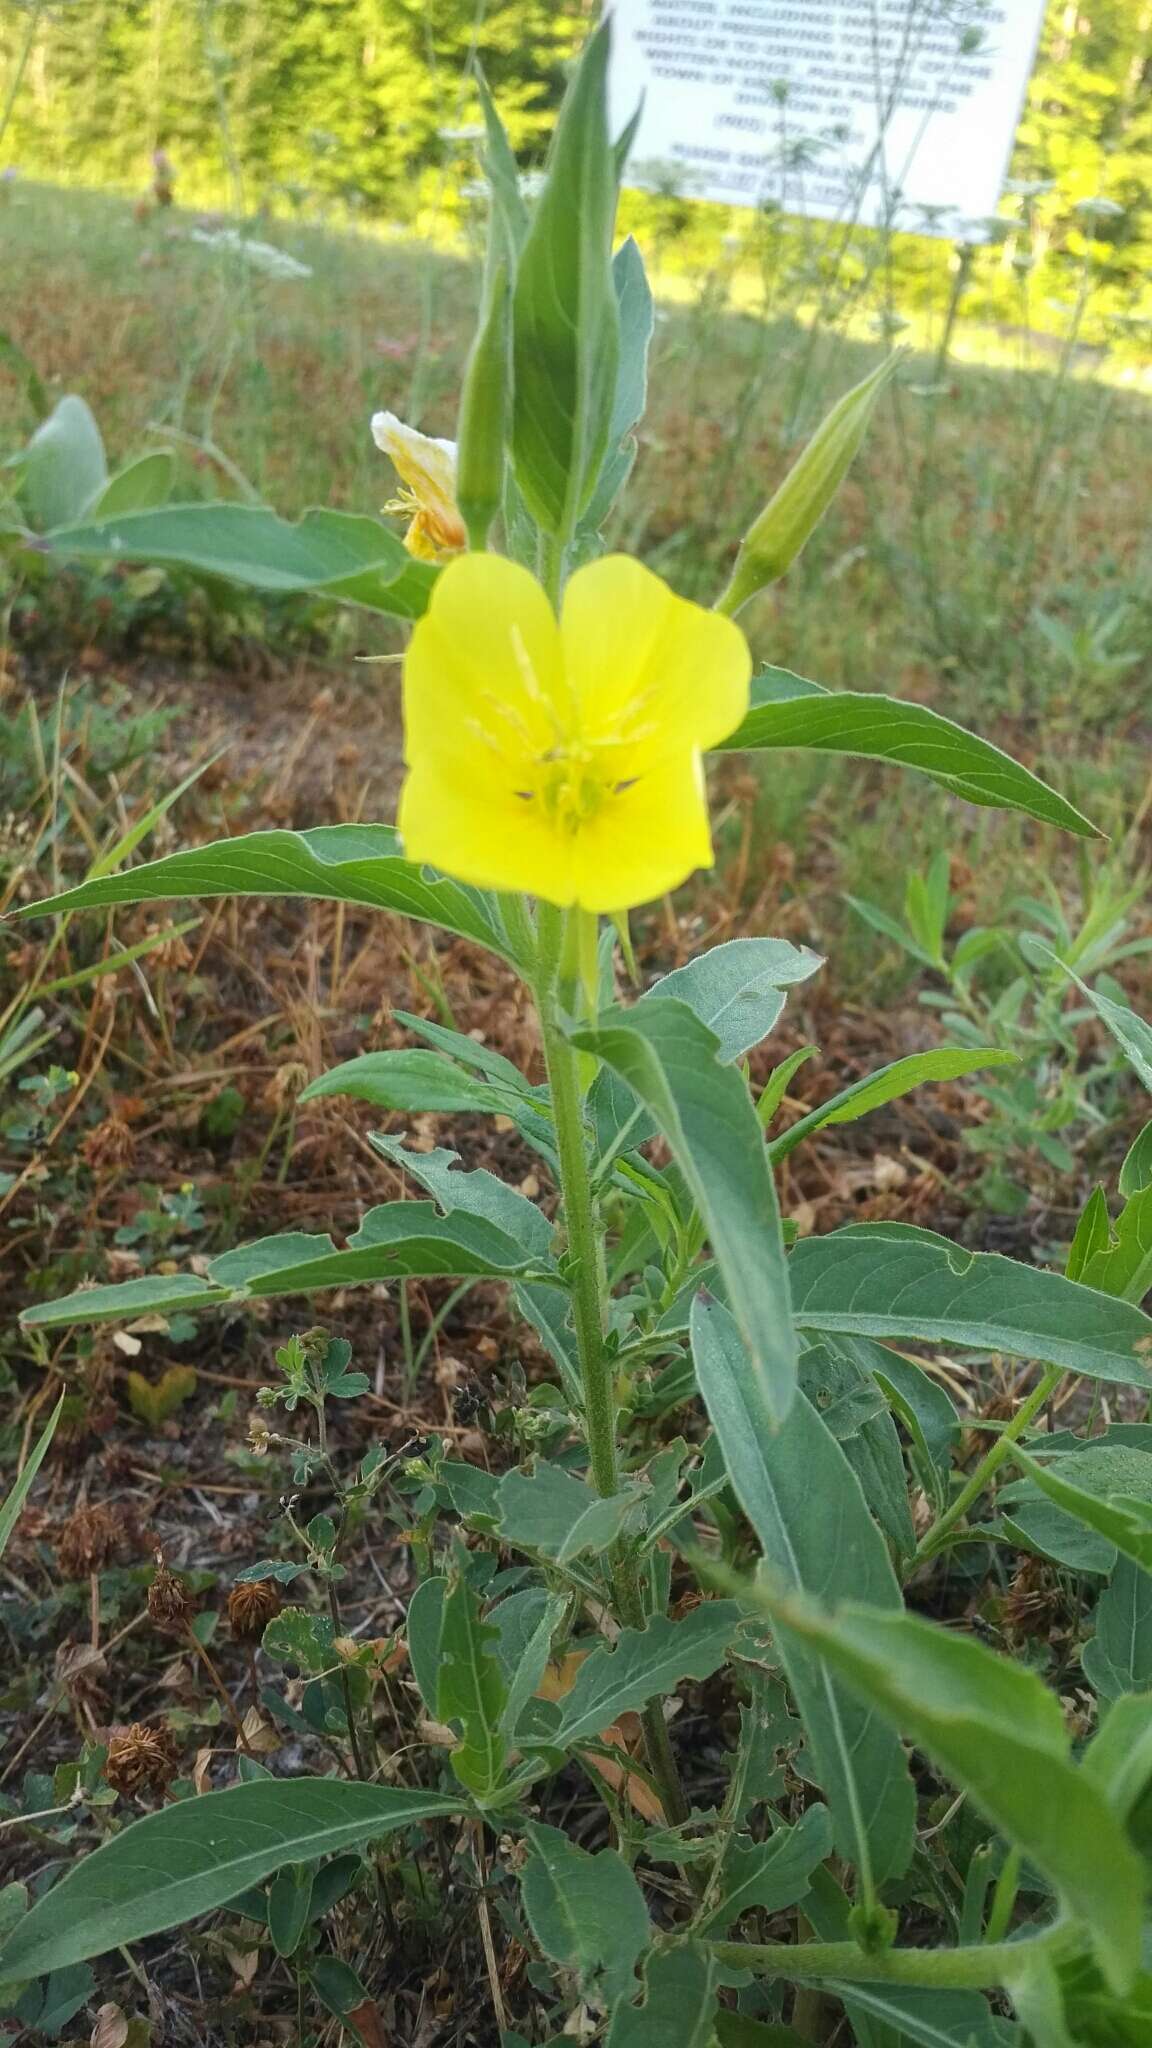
{"x": 736, "y": 989}
{"x": 586, "y": 1911}
{"x": 1117, "y": 1659}
{"x": 787, "y": 711}
{"x": 137, "y": 487}
{"x": 474, "y": 1192}
{"x": 644, "y": 1662}
{"x": 1035, "y": 1990}
{"x": 339, "y": 863}
{"x": 419, "y": 1080}
{"x": 1132, "y": 1034}
{"x": 945, "y": 1063}
{"x": 296, "y": 1637}
{"x": 890, "y": 1280}
{"x": 13, "y": 1506}
{"x": 504, "y": 179}
{"x": 931, "y": 2019}
{"x": 63, "y": 467}
{"x": 679, "y": 2005}
{"x": 636, "y": 313}
{"x": 525, "y": 1669}
{"x": 671, "y": 1062}
{"x": 1136, "y": 1171}
{"x": 289, "y": 1907}
{"x": 1119, "y": 1757}
{"x": 191, "y": 1858}
{"x": 395, "y": 1241}
{"x": 736, "y": 2030}
{"x": 836, "y": 1377}
{"x": 551, "y": 1511}
{"x": 471, "y": 1690}
{"x": 565, "y": 327}
{"x": 340, "y": 555}
{"x": 926, "y": 1412}
{"x": 1000, "y": 1736}
{"x": 423, "y": 1624}
{"x": 769, "y": 1875}
{"x": 1118, "y": 1260}
{"x": 1110, "y": 1490}
{"x": 806, "y": 1506}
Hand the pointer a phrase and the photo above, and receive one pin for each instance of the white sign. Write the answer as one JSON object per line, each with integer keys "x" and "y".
{"x": 876, "y": 110}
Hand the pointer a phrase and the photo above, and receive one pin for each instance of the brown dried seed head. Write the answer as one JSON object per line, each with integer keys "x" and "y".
{"x": 110, "y": 1143}
{"x": 168, "y": 1602}
{"x": 251, "y": 1606}
{"x": 140, "y": 1759}
{"x": 88, "y": 1541}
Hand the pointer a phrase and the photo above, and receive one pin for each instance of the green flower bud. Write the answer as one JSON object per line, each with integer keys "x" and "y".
{"x": 786, "y": 523}
{"x": 483, "y": 408}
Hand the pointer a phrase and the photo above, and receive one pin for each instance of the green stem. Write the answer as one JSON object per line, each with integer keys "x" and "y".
{"x": 983, "y": 1968}
{"x": 561, "y": 1060}
{"x": 559, "y": 937}
{"x": 989, "y": 1465}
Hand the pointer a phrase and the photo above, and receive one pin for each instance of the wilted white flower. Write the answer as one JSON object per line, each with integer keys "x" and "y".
{"x": 470, "y": 131}
{"x": 532, "y": 184}
{"x": 1028, "y": 188}
{"x": 474, "y": 188}
{"x": 261, "y": 256}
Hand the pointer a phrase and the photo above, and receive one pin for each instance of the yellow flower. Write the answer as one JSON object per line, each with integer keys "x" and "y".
{"x": 562, "y": 759}
{"x": 427, "y": 472}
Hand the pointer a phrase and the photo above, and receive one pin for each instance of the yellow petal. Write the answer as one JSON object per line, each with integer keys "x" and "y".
{"x": 658, "y": 671}
{"x": 451, "y": 819}
{"x": 646, "y": 840}
{"x": 482, "y": 676}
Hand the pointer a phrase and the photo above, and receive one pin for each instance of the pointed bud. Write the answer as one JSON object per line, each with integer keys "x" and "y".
{"x": 483, "y": 409}
{"x": 771, "y": 546}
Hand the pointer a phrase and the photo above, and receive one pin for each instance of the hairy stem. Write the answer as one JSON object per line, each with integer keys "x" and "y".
{"x": 982, "y": 1968}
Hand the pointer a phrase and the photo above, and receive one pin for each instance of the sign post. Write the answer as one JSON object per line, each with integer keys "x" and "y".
{"x": 901, "y": 112}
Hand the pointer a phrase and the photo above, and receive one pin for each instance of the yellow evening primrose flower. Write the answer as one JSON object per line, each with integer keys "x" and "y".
{"x": 427, "y": 472}
{"x": 562, "y": 758}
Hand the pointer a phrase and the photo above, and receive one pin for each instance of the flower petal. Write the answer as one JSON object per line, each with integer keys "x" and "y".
{"x": 481, "y": 676}
{"x": 451, "y": 819}
{"x": 658, "y": 670}
{"x": 646, "y": 840}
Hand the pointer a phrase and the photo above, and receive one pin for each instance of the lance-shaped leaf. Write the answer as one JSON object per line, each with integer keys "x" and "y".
{"x": 565, "y": 321}
{"x": 587, "y": 1913}
{"x": 341, "y": 555}
{"x": 471, "y": 1690}
{"x": 891, "y": 1280}
{"x": 671, "y": 1061}
{"x": 1132, "y": 1034}
{"x": 737, "y": 988}
{"x": 191, "y": 1858}
{"x": 644, "y": 1662}
{"x": 944, "y": 1063}
{"x": 338, "y": 863}
{"x": 809, "y": 1513}
{"x": 395, "y": 1241}
{"x": 999, "y": 1734}
{"x": 788, "y": 711}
